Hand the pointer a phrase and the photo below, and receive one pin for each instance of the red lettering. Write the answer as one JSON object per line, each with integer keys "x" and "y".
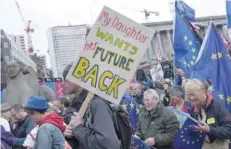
{"x": 89, "y": 46}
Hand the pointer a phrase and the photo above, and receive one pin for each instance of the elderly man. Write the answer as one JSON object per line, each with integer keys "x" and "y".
{"x": 214, "y": 117}
{"x": 157, "y": 125}
{"x": 138, "y": 93}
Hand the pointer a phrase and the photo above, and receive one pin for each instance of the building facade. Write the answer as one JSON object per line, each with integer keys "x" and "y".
{"x": 162, "y": 43}
{"x": 18, "y": 40}
{"x": 64, "y": 45}
{"x": 43, "y": 60}
{"x": 10, "y": 52}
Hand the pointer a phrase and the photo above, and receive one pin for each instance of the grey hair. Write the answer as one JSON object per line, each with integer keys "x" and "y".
{"x": 177, "y": 91}
{"x": 153, "y": 93}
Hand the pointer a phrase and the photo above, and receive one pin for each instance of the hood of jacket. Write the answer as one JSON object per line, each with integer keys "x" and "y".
{"x": 54, "y": 119}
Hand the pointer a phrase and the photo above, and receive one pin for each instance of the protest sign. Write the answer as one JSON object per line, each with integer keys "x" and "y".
{"x": 157, "y": 72}
{"x": 110, "y": 56}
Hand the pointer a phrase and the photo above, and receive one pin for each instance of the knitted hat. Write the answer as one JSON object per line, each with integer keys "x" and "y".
{"x": 37, "y": 103}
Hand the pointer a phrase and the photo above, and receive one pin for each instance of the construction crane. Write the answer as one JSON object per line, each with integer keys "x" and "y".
{"x": 148, "y": 13}
{"x": 145, "y": 11}
{"x": 28, "y": 30}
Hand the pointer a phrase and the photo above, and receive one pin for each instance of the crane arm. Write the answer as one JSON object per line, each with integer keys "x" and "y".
{"x": 20, "y": 12}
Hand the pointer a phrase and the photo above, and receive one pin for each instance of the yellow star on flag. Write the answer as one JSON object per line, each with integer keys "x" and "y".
{"x": 192, "y": 62}
{"x": 193, "y": 142}
{"x": 132, "y": 105}
{"x": 193, "y": 50}
{"x": 124, "y": 106}
{"x": 185, "y": 63}
{"x": 188, "y": 65}
{"x": 219, "y": 55}
{"x": 214, "y": 56}
{"x": 228, "y": 99}
{"x": 185, "y": 37}
{"x": 194, "y": 57}
{"x": 190, "y": 43}
{"x": 137, "y": 111}
{"x": 212, "y": 88}
{"x": 221, "y": 96}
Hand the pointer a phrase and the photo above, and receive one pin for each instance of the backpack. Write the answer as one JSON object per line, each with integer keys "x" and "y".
{"x": 122, "y": 125}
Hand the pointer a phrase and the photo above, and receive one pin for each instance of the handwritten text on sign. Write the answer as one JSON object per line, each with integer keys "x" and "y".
{"x": 110, "y": 56}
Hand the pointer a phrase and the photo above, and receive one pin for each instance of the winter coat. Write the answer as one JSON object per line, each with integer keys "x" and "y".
{"x": 162, "y": 125}
{"x": 23, "y": 128}
{"x": 49, "y": 135}
{"x": 7, "y": 139}
{"x": 98, "y": 131}
{"x": 218, "y": 118}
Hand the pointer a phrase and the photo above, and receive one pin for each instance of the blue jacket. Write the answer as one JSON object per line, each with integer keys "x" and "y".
{"x": 49, "y": 136}
{"x": 7, "y": 139}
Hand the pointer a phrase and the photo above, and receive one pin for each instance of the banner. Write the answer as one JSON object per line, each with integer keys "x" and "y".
{"x": 50, "y": 83}
{"x": 59, "y": 87}
{"x": 110, "y": 56}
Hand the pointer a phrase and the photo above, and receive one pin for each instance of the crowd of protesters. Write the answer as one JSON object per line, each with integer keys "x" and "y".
{"x": 58, "y": 125}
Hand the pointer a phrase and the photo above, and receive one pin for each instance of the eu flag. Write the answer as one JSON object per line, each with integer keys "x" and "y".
{"x": 228, "y": 12}
{"x": 186, "y": 44}
{"x": 181, "y": 116}
{"x": 215, "y": 63}
{"x": 187, "y": 137}
{"x": 132, "y": 109}
{"x": 184, "y": 9}
{"x": 138, "y": 144}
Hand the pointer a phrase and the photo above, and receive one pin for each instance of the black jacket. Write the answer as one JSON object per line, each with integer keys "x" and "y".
{"x": 219, "y": 120}
{"x": 98, "y": 131}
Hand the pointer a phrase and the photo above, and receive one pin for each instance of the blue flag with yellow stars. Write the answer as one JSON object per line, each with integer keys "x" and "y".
{"x": 181, "y": 116}
{"x": 138, "y": 144}
{"x": 186, "y": 43}
{"x": 132, "y": 109}
{"x": 187, "y": 137}
{"x": 215, "y": 63}
{"x": 186, "y": 10}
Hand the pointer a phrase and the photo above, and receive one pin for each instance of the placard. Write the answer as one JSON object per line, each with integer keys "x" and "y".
{"x": 110, "y": 56}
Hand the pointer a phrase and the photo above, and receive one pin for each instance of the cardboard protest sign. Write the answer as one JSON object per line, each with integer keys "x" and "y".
{"x": 110, "y": 56}
{"x": 157, "y": 72}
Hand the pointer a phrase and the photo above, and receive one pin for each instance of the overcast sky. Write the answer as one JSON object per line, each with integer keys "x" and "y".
{"x": 49, "y": 13}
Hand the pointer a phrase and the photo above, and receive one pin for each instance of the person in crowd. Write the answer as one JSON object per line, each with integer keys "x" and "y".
{"x": 167, "y": 87}
{"x": 214, "y": 117}
{"x": 159, "y": 87}
{"x": 184, "y": 80}
{"x": 142, "y": 77}
{"x": 5, "y": 124}
{"x": 138, "y": 93}
{"x": 168, "y": 70}
{"x": 51, "y": 125}
{"x": 178, "y": 73}
{"x": 157, "y": 124}
{"x": 96, "y": 129}
{"x": 24, "y": 124}
{"x": 177, "y": 100}
{"x": 5, "y": 117}
{"x": 30, "y": 138}
{"x": 5, "y": 111}
{"x": 7, "y": 139}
